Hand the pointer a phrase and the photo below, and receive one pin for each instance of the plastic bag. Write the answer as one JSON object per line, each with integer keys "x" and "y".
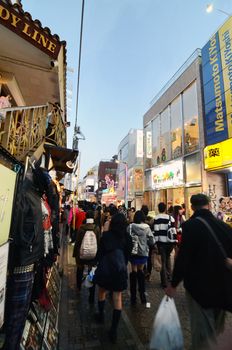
{"x": 167, "y": 333}
{"x": 88, "y": 282}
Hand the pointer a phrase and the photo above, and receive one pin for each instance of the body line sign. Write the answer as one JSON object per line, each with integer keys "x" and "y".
{"x": 16, "y": 22}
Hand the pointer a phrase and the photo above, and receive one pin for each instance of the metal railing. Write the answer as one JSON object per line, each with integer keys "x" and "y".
{"x": 24, "y": 129}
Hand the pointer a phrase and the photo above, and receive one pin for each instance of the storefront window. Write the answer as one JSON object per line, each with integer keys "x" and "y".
{"x": 193, "y": 169}
{"x": 155, "y": 139}
{"x": 191, "y": 127}
{"x": 176, "y": 128}
{"x": 165, "y": 145}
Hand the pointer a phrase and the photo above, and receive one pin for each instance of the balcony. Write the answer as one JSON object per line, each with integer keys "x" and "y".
{"x": 24, "y": 129}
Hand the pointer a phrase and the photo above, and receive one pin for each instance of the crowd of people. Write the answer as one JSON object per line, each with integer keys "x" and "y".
{"x": 116, "y": 242}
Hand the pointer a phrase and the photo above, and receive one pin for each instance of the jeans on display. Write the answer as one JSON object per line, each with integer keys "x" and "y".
{"x": 165, "y": 250}
{"x": 18, "y": 298}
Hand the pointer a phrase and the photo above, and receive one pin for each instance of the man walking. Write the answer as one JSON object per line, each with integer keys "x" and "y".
{"x": 201, "y": 265}
{"x": 162, "y": 223}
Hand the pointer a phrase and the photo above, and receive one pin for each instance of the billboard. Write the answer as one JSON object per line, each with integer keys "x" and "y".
{"x": 217, "y": 84}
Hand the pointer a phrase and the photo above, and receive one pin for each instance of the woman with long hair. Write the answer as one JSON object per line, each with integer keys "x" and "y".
{"x": 143, "y": 239}
{"x": 111, "y": 273}
{"x": 179, "y": 220}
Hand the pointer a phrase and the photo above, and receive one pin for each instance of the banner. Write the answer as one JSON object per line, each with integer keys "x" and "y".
{"x": 6, "y": 201}
{"x": 217, "y": 84}
{"x": 139, "y": 152}
{"x": 148, "y": 144}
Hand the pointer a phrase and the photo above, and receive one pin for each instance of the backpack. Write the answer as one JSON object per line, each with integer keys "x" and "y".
{"x": 88, "y": 248}
{"x": 112, "y": 270}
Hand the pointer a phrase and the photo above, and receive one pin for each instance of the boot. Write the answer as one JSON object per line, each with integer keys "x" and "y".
{"x": 141, "y": 283}
{"x": 100, "y": 316}
{"x": 114, "y": 326}
{"x": 91, "y": 294}
{"x": 79, "y": 276}
{"x": 133, "y": 286}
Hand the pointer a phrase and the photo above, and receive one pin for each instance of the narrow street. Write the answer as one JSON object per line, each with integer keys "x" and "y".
{"x": 79, "y": 331}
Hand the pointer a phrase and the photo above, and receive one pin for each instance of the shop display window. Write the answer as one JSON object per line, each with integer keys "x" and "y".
{"x": 191, "y": 126}
{"x": 193, "y": 169}
{"x": 155, "y": 140}
{"x": 189, "y": 193}
{"x": 165, "y": 144}
{"x": 176, "y": 128}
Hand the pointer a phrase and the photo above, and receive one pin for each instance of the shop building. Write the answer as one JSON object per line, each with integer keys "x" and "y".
{"x": 130, "y": 169}
{"x": 217, "y": 86}
{"x": 32, "y": 128}
{"x": 174, "y": 139}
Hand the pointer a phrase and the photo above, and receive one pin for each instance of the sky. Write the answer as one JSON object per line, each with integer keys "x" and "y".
{"x": 130, "y": 49}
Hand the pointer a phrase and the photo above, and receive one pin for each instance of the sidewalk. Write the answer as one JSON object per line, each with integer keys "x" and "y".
{"x": 79, "y": 331}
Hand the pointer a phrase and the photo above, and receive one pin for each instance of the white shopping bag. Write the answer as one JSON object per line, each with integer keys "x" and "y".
{"x": 166, "y": 332}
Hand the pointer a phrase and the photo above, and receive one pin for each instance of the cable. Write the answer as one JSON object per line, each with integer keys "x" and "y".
{"x": 79, "y": 62}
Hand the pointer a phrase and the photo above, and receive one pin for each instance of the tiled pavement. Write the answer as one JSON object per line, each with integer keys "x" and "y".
{"x": 79, "y": 331}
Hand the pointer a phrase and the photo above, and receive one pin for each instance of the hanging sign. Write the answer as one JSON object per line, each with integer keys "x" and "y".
{"x": 28, "y": 30}
{"x": 7, "y": 188}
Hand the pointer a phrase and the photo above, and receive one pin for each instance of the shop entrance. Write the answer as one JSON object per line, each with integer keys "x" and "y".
{"x": 170, "y": 196}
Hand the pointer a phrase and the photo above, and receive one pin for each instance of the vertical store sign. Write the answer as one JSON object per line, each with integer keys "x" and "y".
{"x": 148, "y": 144}
{"x": 139, "y": 152}
{"x": 217, "y": 83}
{"x": 7, "y": 186}
{"x": 225, "y": 37}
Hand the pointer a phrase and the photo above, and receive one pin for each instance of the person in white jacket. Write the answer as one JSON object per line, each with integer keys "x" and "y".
{"x": 142, "y": 238}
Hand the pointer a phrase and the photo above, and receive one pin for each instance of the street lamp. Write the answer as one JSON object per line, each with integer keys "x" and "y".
{"x": 126, "y": 181}
{"x": 210, "y": 8}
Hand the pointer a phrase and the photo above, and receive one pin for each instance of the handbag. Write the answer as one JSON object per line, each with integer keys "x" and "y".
{"x": 135, "y": 242}
{"x": 171, "y": 233}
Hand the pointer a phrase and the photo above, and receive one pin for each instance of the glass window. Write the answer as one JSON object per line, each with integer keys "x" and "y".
{"x": 176, "y": 128}
{"x": 193, "y": 169}
{"x": 155, "y": 139}
{"x": 165, "y": 145}
{"x": 191, "y": 128}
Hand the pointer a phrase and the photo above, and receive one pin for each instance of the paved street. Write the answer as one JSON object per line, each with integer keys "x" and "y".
{"x": 79, "y": 331}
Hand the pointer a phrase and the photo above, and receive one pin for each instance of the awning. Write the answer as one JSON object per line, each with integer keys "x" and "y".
{"x": 60, "y": 156}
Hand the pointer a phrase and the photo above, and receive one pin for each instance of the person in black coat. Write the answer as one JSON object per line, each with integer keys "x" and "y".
{"x": 111, "y": 273}
{"x": 201, "y": 265}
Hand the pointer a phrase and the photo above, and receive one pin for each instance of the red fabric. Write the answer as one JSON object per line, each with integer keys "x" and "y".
{"x": 79, "y": 219}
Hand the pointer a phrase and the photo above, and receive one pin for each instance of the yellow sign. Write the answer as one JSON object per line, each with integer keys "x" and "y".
{"x": 7, "y": 186}
{"x": 219, "y": 155}
{"x": 225, "y": 40}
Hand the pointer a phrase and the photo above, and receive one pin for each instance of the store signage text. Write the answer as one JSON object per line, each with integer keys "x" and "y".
{"x": 218, "y": 155}
{"x": 217, "y": 83}
{"x": 168, "y": 175}
{"x": 27, "y": 30}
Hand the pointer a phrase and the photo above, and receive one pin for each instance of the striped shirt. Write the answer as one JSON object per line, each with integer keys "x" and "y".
{"x": 162, "y": 223}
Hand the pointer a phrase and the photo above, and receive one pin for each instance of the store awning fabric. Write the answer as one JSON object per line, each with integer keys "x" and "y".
{"x": 60, "y": 156}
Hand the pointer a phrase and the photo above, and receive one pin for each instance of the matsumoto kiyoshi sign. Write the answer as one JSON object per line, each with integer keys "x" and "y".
{"x": 168, "y": 175}
{"x": 217, "y": 81}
